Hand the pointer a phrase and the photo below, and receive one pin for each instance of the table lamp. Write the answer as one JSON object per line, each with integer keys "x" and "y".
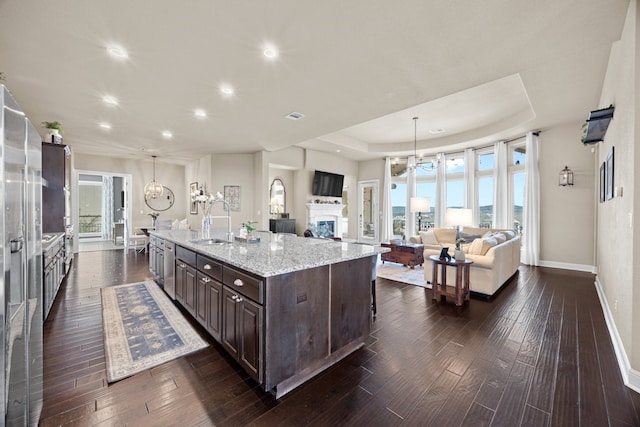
{"x": 419, "y": 205}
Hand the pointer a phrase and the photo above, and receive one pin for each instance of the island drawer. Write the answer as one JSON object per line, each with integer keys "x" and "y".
{"x": 209, "y": 267}
{"x": 186, "y": 255}
{"x": 249, "y": 286}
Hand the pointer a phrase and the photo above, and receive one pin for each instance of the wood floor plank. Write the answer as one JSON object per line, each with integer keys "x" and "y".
{"x": 501, "y": 361}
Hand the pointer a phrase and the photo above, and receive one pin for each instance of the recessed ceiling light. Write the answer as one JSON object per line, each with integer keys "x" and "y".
{"x": 338, "y": 150}
{"x": 226, "y": 90}
{"x": 105, "y": 126}
{"x": 294, "y": 116}
{"x": 117, "y": 52}
{"x": 111, "y": 100}
{"x": 270, "y": 52}
{"x": 167, "y": 134}
{"x": 435, "y": 131}
{"x": 200, "y": 113}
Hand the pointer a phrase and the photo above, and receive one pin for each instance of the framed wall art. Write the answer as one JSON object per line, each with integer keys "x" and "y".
{"x": 609, "y": 174}
{"x": 193, "y": 188}
{"x": 232, "y": 196}
{"x": 603, "y": 181}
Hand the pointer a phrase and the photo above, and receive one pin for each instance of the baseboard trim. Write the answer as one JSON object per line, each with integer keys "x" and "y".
{"x": 568, "y": 266}
{"x": 630, "y": 376}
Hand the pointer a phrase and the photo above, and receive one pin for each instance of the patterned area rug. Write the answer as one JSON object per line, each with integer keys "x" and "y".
{"x": 400, "y": 273}
{"x": 143, "y": 329}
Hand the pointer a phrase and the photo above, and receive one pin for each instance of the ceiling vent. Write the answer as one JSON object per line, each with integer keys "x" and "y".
{"x": 294, "y": 116}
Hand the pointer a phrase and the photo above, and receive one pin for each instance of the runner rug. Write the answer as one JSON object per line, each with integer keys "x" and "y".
{"x": 143, "y": 329}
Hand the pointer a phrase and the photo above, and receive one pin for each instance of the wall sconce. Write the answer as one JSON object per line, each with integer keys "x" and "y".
{"x": 566, "y": 177}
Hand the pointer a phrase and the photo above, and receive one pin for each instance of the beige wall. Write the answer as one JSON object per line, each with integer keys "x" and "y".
{"x": 141, "y": 171}
{"x": 566, "y": 213}
{"x": 618, "y": 270}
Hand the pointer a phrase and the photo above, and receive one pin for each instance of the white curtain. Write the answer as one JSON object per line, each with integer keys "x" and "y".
{"x": 410, "y": 217}
{"x": 531, "y": 214}
{"x": 107, "y": 207}
{"x": 500, "y": 188}
{"x": 387, "y": 218}
{"x": 469, "y": 178}
{"x": 441, "y": 190}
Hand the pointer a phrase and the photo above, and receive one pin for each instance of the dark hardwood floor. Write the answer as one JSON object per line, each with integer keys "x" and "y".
{"x": 538, "y": 354}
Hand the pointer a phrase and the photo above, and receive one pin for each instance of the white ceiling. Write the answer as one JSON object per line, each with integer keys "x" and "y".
{"x": 358, "y": 70}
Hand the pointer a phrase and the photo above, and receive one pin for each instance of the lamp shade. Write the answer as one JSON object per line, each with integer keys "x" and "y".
{"x": 458, "y": 216}
{"x": 419, "y": 204}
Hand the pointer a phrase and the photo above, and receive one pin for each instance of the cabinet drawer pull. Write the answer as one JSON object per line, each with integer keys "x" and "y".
{"x": 182, "y": 265}
{"x": 207, "y": 267}
{"x": 233, "y": 297}
{"x": 239, "y": 299}
{"x": 205, "y": 280}
{"x": 238, "y": 282}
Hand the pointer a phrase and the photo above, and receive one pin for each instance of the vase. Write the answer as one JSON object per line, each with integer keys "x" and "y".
{"x": 459, "y": 255}
{"x": 206, "y": 226}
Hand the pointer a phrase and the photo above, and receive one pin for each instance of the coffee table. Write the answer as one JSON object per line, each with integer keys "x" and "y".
{"x": 410, "y": 254}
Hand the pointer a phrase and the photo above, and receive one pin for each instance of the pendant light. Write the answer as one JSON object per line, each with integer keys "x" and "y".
{"x": 153, "y": 189}
{"x": 415, "y": 145}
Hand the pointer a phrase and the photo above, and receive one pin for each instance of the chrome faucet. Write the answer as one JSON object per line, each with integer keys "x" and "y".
{"x": 220, "y": 198}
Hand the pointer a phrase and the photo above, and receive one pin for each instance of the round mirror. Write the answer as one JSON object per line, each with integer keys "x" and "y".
{"x": 162, "y": 203}
{"x": 277, "y": 198}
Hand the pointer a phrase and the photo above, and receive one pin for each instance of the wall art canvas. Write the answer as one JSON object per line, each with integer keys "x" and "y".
{"x": 232, "y": 196}
{"x": 193, "y": 187}
{"x": 609, "y": 174}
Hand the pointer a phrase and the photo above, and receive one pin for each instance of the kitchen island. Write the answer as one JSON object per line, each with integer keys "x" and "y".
{"x": 286, "y": 308}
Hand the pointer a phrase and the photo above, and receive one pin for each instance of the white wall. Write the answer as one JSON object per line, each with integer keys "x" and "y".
{"x": 141, "y": 170}
{"x": 617, "y": 239}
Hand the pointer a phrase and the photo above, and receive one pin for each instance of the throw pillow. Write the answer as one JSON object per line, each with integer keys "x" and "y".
{"x": 428, "y": 237}
{"x": 475, "y": 230}
{"x": 482, "y": 246}
{"x": 468, "y": 238}
{"x": 499, "y": 237}
{"x": 509, "y": 234}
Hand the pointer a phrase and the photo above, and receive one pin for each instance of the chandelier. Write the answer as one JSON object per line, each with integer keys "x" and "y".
{"x": 153, "y": 189}
{"x": 426, "y": 166}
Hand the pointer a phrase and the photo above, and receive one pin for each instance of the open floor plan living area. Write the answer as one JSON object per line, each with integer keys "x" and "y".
{"x": 335, "y": 213}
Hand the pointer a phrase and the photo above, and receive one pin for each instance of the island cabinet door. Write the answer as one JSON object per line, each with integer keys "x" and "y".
{"x": 190, "y": 285}
{"x": 181, "y": 272}
{"x": 230, "y": 312}
{"x": 214, "y": 309}
{"x": 202, "y": 287}
{"x": 250, "y": 336}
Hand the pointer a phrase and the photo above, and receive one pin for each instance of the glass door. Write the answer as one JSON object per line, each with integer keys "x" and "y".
{"x": 368, "y": 212}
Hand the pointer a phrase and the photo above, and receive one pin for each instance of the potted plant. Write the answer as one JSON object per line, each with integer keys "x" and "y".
{"x": 55, "y": 129}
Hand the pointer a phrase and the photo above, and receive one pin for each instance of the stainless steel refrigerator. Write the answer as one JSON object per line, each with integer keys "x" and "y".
{"x": 21, "y": 262}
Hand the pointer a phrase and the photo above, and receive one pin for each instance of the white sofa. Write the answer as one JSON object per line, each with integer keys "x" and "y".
{"x": 495, "y": 255}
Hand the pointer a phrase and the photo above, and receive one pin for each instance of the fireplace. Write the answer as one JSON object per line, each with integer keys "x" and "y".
{"x": 325, "y": 219}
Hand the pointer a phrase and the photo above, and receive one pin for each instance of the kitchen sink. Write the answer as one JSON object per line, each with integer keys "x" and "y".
{"x": 209, "y": 242}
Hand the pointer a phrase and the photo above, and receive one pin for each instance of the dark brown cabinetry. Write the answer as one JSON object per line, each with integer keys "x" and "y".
{"x": 283, "y": 225}
{"x": 56, "y": 173}
{"x": 214, "y": 309}
{"x": 186, "y": 279}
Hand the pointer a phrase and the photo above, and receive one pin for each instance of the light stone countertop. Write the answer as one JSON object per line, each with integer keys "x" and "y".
{"x": 275, "y": 253}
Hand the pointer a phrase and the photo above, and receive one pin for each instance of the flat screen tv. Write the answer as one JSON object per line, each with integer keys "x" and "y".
{"x": 327, "y": 184}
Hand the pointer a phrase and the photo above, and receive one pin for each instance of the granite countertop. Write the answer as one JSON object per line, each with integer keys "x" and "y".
{"x": 275, "y": 253}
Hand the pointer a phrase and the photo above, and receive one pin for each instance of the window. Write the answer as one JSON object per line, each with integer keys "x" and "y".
{"x": 399, "y": 197}
{"x": 455, "y": 180}
{"x": 518, "y": 155}
{"x": 426, "y": 187}
{"x": 483, "y": 204}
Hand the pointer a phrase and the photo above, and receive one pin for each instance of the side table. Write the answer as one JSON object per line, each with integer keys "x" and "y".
{"x": 460, "y": 290}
